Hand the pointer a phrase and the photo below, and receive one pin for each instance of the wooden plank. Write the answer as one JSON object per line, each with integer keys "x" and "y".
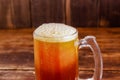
{"x": 101, "y": 33}
{"x": 5, "y": 14}
{"x": 108, "y": 40}
{"x": 17, "y": 75}
{"x": 86, "y": 61}
{"x": 23, "y": 60}
{"x": 84, "y": 13}
{"x": 16, "y": 48}
{"x": 107, "y": 75}
{"x": 21, "y": 13}
{"x": 110, "y": 13}
{"x": 68, "y": 12}
{"x": 30, "y": 75}
{"x": 13, "y": 41}
{"x": 46, "y": 11}
{"x": 14, "y": 13}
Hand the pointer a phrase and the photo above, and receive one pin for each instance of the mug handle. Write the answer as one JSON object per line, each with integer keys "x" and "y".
{"x": 90, "y": 41}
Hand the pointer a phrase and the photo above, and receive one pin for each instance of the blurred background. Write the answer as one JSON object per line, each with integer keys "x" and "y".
{"x": 78, "y": 13}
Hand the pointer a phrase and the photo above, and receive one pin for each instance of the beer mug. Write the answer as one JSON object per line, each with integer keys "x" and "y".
{"x": 56, "y": 49}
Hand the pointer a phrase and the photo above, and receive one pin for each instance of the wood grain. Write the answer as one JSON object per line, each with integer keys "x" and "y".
{"x": 81, "y": 13}
{"x": 30, "y": 75}
{"x": 108, "y": 40}
{"x": 16, "y": 48}
{"x": 46, "y": 11}
{"x": 5, "y": 14}
{"x": 17, "y": 61}
{"x": 84, "y": 13}
{"x": 17, "y": 75}
{"x": 110, "y": 13}
{"x": 68, "y": 12}
{"x": 21, "y": 15}
{"x": 14, "y": 13}
{"x": 107, "y": 75}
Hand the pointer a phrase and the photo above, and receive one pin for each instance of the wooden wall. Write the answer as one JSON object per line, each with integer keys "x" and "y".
{"x": 15, "y": 13}
{"x": 78, "y": 13}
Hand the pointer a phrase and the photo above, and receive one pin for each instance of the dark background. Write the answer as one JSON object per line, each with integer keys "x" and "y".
{"x": 78, "y": 13}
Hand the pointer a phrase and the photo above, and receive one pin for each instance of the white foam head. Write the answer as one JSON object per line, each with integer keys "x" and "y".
{"x": 55, "y": 32}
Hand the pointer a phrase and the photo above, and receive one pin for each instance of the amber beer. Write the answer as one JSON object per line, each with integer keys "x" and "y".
{"x": 56, "y": 58}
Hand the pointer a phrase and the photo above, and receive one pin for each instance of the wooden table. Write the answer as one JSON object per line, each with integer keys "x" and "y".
{"x": 16, "y": 53}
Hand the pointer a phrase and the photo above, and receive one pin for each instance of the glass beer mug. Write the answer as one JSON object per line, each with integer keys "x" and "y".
{"x": 56, "y": 53}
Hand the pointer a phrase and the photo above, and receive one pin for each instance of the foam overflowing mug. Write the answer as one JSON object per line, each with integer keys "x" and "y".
{"x": 56, "y": 53}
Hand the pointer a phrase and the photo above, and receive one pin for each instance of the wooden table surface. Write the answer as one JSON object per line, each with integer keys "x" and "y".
{"x": 16, "y": 53}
